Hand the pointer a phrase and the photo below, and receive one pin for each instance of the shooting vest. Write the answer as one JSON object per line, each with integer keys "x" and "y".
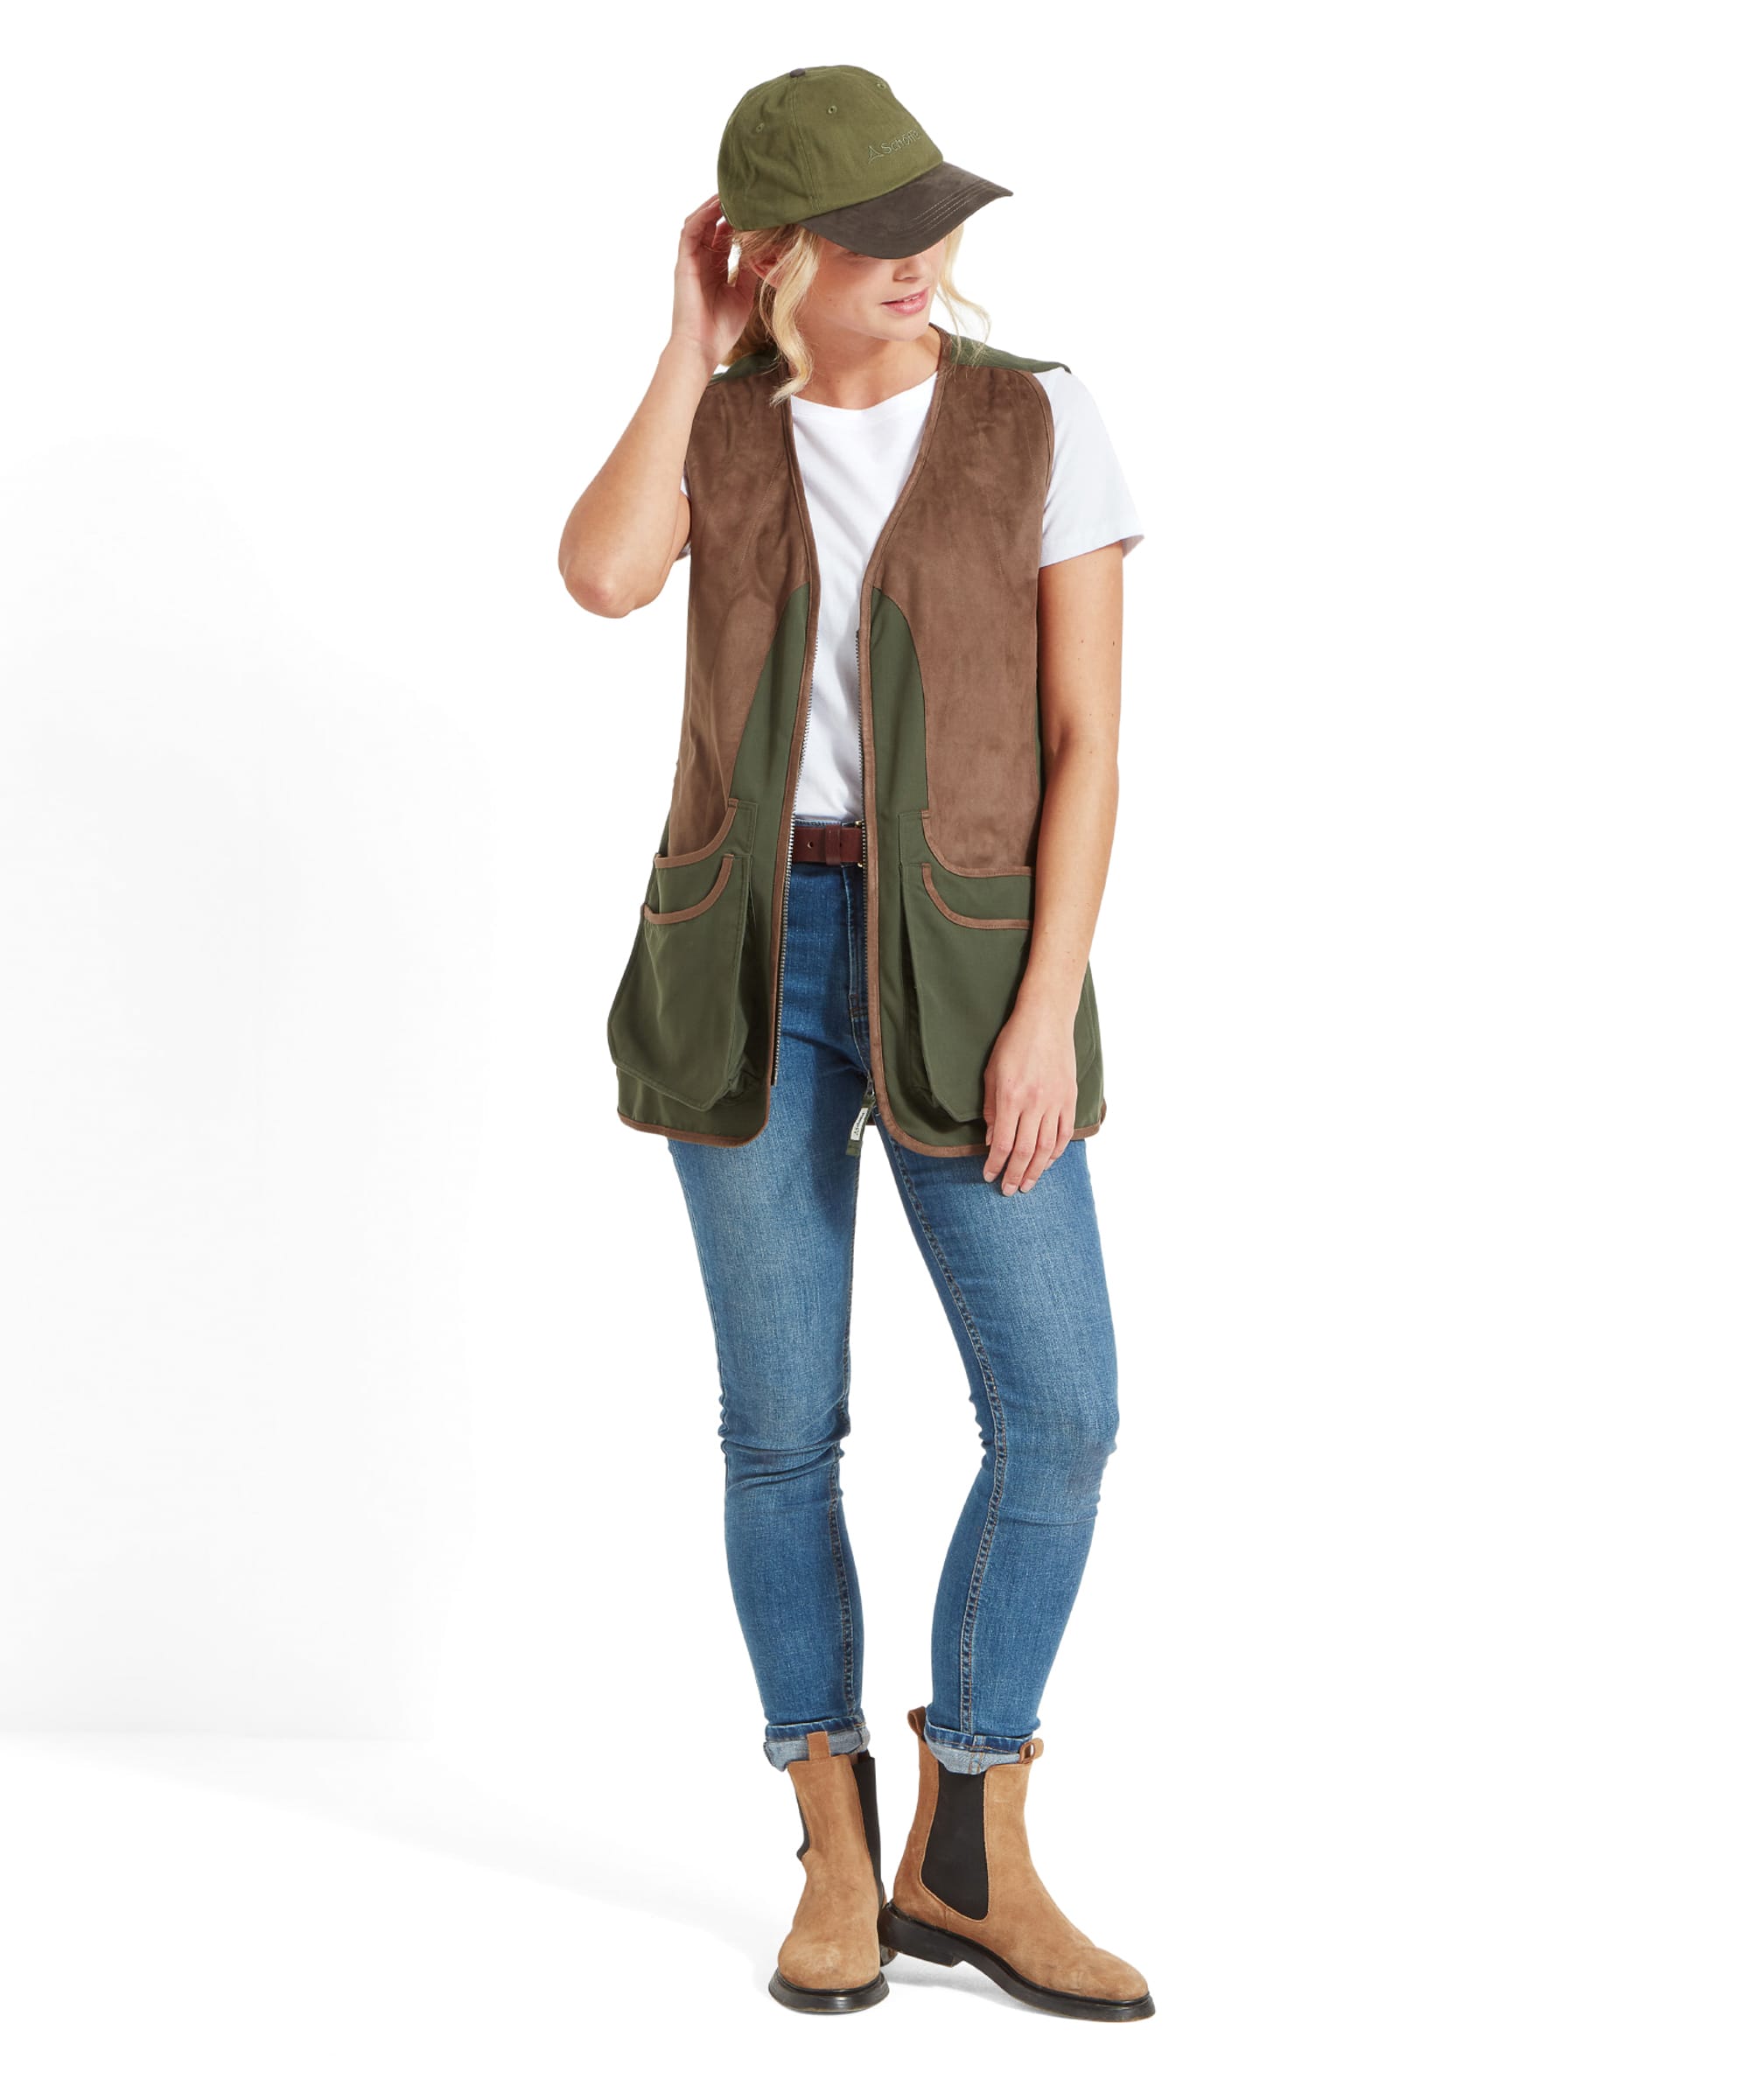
{"x": 950, "y": 722}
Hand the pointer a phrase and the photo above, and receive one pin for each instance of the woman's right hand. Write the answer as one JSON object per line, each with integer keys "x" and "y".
{"x": 707, "y": 311}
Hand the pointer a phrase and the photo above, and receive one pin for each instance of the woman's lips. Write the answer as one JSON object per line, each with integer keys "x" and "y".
{"x": 913, "y": 302}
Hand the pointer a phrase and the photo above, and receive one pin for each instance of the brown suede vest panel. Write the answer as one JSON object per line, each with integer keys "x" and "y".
{"x": 747, "y": 557}
{"x": 962, "y": 565}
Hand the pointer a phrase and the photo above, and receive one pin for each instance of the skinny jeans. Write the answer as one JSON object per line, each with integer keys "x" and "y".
{"x": 1022, "y": 1283}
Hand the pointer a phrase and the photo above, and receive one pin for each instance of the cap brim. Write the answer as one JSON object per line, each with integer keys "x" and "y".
{"x": 905, "y": 222}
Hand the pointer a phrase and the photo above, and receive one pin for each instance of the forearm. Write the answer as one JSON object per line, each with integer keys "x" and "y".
{"x": 1076, "y": 838}
{"x": 617, "y": 545}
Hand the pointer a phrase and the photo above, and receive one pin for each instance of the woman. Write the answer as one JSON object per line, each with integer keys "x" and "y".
{"x": 872, "y": 901}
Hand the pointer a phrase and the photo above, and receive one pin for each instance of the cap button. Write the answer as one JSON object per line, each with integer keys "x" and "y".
{"x": 796, "y": 70}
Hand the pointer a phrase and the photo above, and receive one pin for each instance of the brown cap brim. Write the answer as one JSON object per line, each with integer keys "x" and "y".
{"x": 905, "y": 222}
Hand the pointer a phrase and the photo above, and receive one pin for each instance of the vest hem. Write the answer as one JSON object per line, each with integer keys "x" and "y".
{"x": 667, "y": 1130}
{"x": 957, "y": 1152}
{"x": 905, "y": 1138}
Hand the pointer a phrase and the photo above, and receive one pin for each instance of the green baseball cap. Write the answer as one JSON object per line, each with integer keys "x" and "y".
{"x": 830, "y": 148}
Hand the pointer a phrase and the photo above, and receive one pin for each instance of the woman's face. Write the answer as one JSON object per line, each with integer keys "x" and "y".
{"x": 864, "y": 295}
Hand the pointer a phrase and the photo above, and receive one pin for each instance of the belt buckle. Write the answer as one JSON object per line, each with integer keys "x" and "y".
{"x": 827, "y": 840}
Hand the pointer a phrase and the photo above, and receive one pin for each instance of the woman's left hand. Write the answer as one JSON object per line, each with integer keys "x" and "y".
{"x": 1030, "y": 1098}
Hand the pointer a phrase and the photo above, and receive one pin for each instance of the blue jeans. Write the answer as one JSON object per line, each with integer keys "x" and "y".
{"x": 1022, "y": 1283}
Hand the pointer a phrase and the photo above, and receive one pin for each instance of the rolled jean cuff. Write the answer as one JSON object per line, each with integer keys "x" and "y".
{"x": 959, "y": 1752}
{"x": 782, "y": 1746}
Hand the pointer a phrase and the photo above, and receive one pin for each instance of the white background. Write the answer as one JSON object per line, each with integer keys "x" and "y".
{"x": 379, "y": 1718}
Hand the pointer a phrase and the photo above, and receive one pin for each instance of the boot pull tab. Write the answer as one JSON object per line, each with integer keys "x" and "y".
{"x": 818, "y": 1742}
{"x": 1030, "y": 1750}
{"x": 917, "y": 1721}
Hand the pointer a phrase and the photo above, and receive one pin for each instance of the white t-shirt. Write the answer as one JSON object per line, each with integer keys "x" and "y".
{"x": 853, "y": 463}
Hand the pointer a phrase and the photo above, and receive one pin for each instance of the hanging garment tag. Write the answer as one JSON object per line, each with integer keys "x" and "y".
{"x": 868, "y": 1102}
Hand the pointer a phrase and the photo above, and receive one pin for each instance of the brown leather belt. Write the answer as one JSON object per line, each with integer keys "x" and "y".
{"x": 834, "y": 842}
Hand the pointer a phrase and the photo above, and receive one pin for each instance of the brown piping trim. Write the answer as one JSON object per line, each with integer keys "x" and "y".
{"x": 940, "y": 393}
{"x": 960, "y": 918}
{"x": 667, "y": 1130}
{"x": 926, "y": 835}
{"x": 789, "y": 793}
{"x": 957, "y": 1152}
{"x": 938, "y": 1151}
{"x": 678, "y": 860}
{"x": 692, "y": 911}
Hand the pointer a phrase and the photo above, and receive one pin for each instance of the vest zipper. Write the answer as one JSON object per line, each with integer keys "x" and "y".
{"x": 787, "y": 874}
{"x": 814, "y": 614}
{"x": 868, "y": 1102}
{"x": 868, "y": 784}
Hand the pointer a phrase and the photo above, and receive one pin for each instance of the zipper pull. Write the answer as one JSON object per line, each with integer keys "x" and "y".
{"x": 868, "y": 1102}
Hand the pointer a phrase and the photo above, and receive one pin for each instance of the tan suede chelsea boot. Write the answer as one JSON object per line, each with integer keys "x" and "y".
{"x": 967, "y": 1891}
{"x": 832, "y": 1959}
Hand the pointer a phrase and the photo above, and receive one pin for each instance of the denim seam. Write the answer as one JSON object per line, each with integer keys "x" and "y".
{"x": 842, "y": 1412}
{"x": 843, "y": 1416}
{"x": 965, "y": 1653}
{"x": 842, "y": 1594}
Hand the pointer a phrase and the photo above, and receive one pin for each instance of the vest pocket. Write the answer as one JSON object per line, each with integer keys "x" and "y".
{"x": 968, "y": 941}
{"x": 679, "y": 1021}
{"x": 968, "y": 967}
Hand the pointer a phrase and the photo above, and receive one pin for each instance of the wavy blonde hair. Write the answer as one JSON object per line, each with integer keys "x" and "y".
{"x": 774, "y": 323}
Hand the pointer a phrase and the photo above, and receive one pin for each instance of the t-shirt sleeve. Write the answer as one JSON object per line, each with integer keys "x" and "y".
{"x": 683, "y": 483}
{"x": 1088, "y": 502}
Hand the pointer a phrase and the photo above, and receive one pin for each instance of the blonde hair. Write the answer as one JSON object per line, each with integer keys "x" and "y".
{"x": 774, "y": 323}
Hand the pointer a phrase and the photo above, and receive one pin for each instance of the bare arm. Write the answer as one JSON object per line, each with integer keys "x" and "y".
{"x": 630, "y": 522}
{"x": 1031, "y": 1081}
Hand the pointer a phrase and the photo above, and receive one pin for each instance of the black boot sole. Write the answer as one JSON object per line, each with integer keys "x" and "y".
{"x": 930, "y": 1943}
{"x": 797, "y": 1998}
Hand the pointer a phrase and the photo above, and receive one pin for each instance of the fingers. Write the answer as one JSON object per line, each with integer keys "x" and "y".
{"x": 1021, "y": 1166}
{"x": 699, "y": 227}
{"x": 1046, "y": 1151}
{"x": 708, "y": 227}
{"x": 1022, "y": 1142}
{"x": 708, "y": 238}
{"x": 1022, "y": 1145}
{"x": 1001, "y": 1131}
